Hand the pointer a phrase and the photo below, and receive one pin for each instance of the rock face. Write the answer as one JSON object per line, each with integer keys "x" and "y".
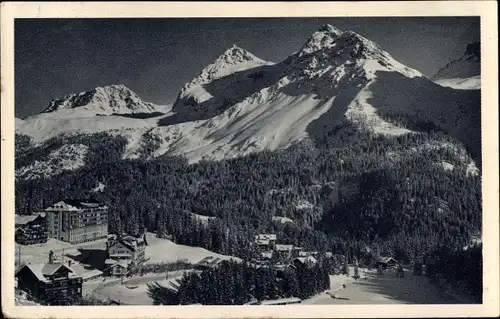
{"x": 242, "y": 104}
{"x": 462, "y": 73}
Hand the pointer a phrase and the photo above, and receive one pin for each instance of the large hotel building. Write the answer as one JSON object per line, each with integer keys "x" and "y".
{"x": 77, "y": 221}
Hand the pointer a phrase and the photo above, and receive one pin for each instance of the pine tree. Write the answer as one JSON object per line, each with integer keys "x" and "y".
{"x": 356, "y": 272}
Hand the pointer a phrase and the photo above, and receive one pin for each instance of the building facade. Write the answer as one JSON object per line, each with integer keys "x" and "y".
{"x": 31, "y": 229}
{"x": 124, "y": 252}
{"x": 50, "y": 283}
{"x": 77, "y": 221}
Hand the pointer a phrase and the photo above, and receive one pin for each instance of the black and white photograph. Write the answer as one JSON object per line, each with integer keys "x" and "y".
{"x": 250, "y": 161}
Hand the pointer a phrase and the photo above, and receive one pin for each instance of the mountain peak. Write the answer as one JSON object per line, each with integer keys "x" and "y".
{"x": 324, "y": 37}
{"x": 330, "y": 51}
{"x": 330, "y": 29}
{"x": 467, "y": 66}
{"x": 234, "y": 59}
{"x": 109, "y": 99}
{"x": 473, "y": 49}
{"x": 234, "y": 55}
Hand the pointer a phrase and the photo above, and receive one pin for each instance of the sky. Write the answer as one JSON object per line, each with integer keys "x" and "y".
{"x": 156, "y": 57}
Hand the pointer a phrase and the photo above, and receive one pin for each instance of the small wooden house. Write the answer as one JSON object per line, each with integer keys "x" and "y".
{"x": 51, "y": 283}
{"x": 386, "y": 262}
{"x": 124, "y": 252}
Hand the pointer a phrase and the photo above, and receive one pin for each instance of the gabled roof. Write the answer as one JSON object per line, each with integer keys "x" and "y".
{"x": 385, "y": 260}
{"x": 210, "y": 261}
{"x": 24, "y": 219}
{"x": 50, "y": 268}
{"x": 42, "y": 270}
{"x": 128, "y": 241}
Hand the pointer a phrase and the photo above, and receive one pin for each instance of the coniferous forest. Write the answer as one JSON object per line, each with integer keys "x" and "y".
{"x": 353, "y": 193}
{"x": 236, "y": 284}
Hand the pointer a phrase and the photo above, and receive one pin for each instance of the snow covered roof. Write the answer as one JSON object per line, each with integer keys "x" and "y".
{"x": 386, "y": 260}
{"x": 110, "y": 261}
{"x": 262, "y": 242}
{"x": 280, "y": 247}
{"x": 266, "y": 254}
{"x": 282, "y": 219}
{"x": 129, "y": 241}
{"x": 119, "y": 255}
{"x": 265, "y": 237}
{"x": 75, "y": 205}
{"x": 84, "y": 272}
{"x": 210, "y": 261}
{"x": 24, "y": 219}
{"x": 48, "y": 269}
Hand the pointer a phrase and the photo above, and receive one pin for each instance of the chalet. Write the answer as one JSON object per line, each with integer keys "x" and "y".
{"x": 209, "y": 262}
{"x": 283, "y": 252}
{"x": 266, "y": 255}
{"x": 386, "y": 262}
{"x": 51, "y": 283}
{"x": 31, "y": 229}
{"x": 308, "y": 261}
{"x": 265, "y": 242}
{"x": 116, "y": 267}
{"x": 124, "y": 252}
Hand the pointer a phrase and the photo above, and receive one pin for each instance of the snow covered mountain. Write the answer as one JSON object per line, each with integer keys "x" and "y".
{"x": 242, "y": 104}
{"x": 463, "y": 73}
{"x": 108, "y": 100}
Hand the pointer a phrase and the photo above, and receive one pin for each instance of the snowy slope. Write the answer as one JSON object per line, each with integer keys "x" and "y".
{"x": 242, "y": 104}
{"x": 471, "y": 83}
{"x": 463, "y": 73}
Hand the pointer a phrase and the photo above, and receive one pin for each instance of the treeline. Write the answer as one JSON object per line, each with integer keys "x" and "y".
{"x": 238, "y": 283}
{"x": 366, "y": 194}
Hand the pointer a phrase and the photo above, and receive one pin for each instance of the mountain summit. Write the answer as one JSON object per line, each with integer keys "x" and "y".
{"x": 323, "y": 38}
{"x": 106, "y": 100}
{"x": 234, "y": 59}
